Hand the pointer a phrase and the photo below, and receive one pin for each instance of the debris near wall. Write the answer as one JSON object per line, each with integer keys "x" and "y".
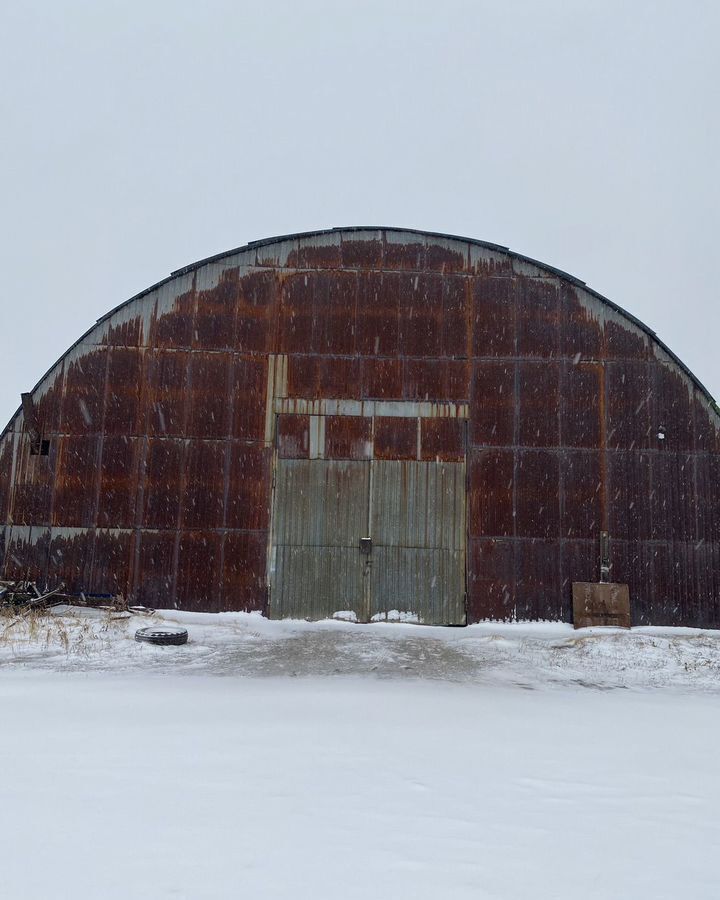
{"x": 25, "y": 596}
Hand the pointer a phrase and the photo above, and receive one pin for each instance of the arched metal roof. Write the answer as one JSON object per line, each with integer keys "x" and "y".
{"x": 359, "y": 229}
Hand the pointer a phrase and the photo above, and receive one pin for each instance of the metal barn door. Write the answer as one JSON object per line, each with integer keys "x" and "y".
{"x": 412, "y": 567}
{"x": 319, "y": 510}
{"x": 417, "y": 525}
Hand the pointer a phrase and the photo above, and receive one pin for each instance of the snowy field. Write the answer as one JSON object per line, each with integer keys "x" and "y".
{"x": 289, "y": 760}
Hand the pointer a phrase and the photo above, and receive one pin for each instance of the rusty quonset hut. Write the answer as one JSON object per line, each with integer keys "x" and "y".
{"x": 365, "y": 420}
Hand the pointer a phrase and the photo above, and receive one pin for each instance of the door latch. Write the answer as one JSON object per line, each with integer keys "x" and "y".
{"x": 366, "y": 545}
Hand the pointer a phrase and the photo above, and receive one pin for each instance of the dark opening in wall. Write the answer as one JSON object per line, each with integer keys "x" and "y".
{"x": 43, "y": 449}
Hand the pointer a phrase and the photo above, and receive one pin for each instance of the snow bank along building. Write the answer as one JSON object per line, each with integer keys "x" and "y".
{"x": 365, "y": 420}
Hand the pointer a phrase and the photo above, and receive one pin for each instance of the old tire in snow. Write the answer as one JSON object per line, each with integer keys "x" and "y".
{"x": 162, "y": 635}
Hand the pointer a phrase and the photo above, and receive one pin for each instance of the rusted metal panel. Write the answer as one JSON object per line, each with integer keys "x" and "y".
{"x": 538, "y": 399}
{"x": 257, "y": 305}
{"x": 630, "y": 487}
{"x": 673, "y": 508}
{"x": 296, "y": 314}
{"x": 421, "y": 315}
{"x": 214, "y": 326}
{"x": 582, "y": 405}
{"x": 443, "y": 439}
{"x": 125, "y": 381}
{"x": 126, "y": 332}
{"x": 339, "y": 377}
{"x": 33, "y": 484}
{"x": 167, "y": 374}
{"x": 70, "y": 557}
{"x": 348, "y": 437}
{"x": 117, "y": 496}
{"x": 334, "y": 312}
{"x": 48, "y": 401}
{"x": 455, "y": 331}
{"x": 580, "y": 560}
{"x": 30, "y": 422}
{"x": 707, "y": 437}
{"x": 27, "y": 549}
{"x": 378, "y": 314}
{"x": 248, "y": 384}
{"x": 293, "y": 436}
{"x": 162, "y": 482}
{"x": 403, "y": 251}
{"x": 670, "y": 409}
{"x": 581, "y": 329}
{"x": 363, "y": 253}
{"x": 538, "y": 331}
{"x": 396, "y": 438}
{"x": 662, "y": 575}
{"x": 6, "y": 467}
{"x": 424, "y": 379}
{"x": 538, "y": 590}
{"x": 457, "y": 383}
{"x": 75, "y": 494}
{"x": 198, "y": 571}
{"x": 154, "y": 577}
{"x": 601, "y": 604}
{"x": 83, "y": 393}
{"x": 491, "y": 579}
{"x": 173, "y": 325}
{"x": 488, "y": 261}
{"x": 632, "y": 564}
{"x": 491, "y": 486}
{"x": 493, "y": 315}
{"x": 381, "y": 379}
{"x": 706, "y": 497}
{"x": 492, "y": 404}
{"x": 445, "y": 256}
{"x": 435, "y": 379}
{"x": 629, "y": 391}
{"x": 582, "y": 485}
{"x": 244, "y": 587}
{"x": 623, "y": 341}
{"x": 202, "y": 501}
{"x": 537, "y": 505}
{"x": 208, "y": 414}
{"x": 112, "y": 555}
{"x": 248, "y": 492}
{"x": 317, "y": 252}
{"x": 304, "y": 376}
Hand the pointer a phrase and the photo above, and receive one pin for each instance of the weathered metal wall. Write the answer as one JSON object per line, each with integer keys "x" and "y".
{"x": 158, "y": 479}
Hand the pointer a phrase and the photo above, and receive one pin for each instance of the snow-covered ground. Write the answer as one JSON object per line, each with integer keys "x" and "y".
{"x": 495, "y": 761}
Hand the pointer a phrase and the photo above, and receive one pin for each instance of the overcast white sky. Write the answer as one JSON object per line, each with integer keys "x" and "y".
{"x": 139, "y": 137}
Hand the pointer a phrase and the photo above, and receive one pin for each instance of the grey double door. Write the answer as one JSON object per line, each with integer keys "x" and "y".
{"x": 373, "y": 539}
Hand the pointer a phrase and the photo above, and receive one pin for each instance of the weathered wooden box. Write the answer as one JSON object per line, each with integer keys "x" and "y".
{"x": 600, "y": 604}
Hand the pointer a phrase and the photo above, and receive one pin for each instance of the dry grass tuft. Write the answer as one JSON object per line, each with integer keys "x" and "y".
{"x": 70, "y": 631}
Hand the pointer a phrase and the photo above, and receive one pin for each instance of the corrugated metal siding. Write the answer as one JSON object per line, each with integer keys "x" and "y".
{"x": 319, "y": 515}
{"x": 418, "y": 527}
{"x": 159, "y": 420}
{"x": 416, "y": 515}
